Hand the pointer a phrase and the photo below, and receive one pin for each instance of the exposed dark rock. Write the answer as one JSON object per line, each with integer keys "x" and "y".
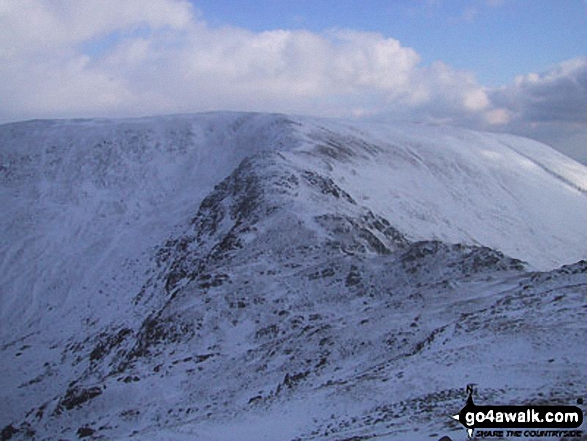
{"x": 84, "y": 432}
{"x": 77, "y": 396}
{"x": 8, "y": 432}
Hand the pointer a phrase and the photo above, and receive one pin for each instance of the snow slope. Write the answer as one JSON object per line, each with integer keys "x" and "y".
{"x": 200, "y": 276}
{"x": 83, "y": 198}
{"x": 501, "y": 191}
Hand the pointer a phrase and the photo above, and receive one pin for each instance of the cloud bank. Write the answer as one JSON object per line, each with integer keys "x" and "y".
{"x": 549, "y": 106}
{"x": 68, "y": 58}
{"x": 57, "y": 60}
{"x": 559, "y": 95}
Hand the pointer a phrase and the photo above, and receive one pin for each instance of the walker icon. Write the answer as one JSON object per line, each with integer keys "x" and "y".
{"x": 470, "y": 405}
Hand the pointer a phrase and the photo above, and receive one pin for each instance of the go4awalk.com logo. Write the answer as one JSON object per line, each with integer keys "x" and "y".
{"x": 520, "y": 421}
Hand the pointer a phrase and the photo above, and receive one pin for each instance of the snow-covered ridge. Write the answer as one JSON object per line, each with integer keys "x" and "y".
{"x": 157, "y": 262}
{"x": 82, "y": 197}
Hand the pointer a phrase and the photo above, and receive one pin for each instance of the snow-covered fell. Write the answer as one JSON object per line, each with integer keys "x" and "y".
{"x": 201, "y": 276}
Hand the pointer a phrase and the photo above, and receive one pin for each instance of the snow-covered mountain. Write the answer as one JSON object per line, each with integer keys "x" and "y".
{"x": 233, "y": 276}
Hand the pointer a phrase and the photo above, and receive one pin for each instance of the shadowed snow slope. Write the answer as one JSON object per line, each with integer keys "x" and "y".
{"x": 200, "y": 276}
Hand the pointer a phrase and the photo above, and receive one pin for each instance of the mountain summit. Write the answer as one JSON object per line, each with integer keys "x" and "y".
{"x": 250, "y": 276}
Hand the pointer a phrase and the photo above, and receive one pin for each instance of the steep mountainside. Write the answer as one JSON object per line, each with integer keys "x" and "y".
{"x": 248, "y": 276}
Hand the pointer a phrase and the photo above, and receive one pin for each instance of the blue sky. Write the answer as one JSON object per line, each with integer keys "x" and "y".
{"x": 497, "y": 40}
{"x": 517, "y": 66}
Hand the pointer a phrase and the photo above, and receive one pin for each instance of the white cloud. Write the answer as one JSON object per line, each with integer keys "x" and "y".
{"x": 32, "y": 25}
{"x": 43, "y": 70}
{"x": 476, "y": 100}
{"x": 163, "y": 58}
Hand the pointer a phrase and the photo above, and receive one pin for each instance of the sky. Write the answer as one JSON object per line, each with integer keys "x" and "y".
{"x": 516, "y": 66}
